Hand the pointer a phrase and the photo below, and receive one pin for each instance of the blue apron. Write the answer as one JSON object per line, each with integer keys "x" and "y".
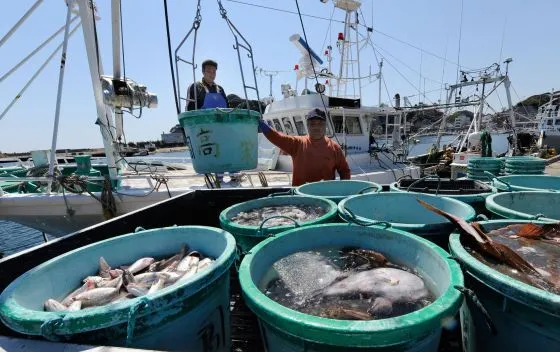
{"x": 213, "y": 100}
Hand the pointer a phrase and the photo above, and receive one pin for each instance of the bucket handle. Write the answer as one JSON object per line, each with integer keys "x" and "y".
{"x": 138, "y": 229}
{"x": 424, "y": 178}
{"x": 142, "y": 303}
{"x": 493, "y": 178}
{"x": 260, "y": 231}
{"x": 48, "y": 328}
{"x": 482, "y": 217}
{"x": 368, "y": 187}
{"x": 348, "y": 215}
{"x": 470, "y": 295}
{"x": 287, "y": 193}
{"x": 538, "y": 216}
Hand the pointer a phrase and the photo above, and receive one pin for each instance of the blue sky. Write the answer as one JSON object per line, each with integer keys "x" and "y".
{"x": 524, "y": 30}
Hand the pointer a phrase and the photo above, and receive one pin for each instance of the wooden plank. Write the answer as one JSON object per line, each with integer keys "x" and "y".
{"x": 14, "y": 344}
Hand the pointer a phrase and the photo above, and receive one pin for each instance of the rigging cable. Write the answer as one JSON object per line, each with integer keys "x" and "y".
{"x": 339, "y": 21}
{"x": 459, "y": 48}
{"x": 170, "y": 58}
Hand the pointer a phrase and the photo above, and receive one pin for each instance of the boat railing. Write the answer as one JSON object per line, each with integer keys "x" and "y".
{"x": 150, "y": 178}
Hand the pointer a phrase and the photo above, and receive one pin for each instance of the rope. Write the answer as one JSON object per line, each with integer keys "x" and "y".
{"x": 48, "y": 329}
{"x": 143, "y": 303}
{"x": 262, "y": 178}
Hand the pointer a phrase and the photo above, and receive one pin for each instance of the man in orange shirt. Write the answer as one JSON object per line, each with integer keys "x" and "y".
{"x": 315, "y": 157}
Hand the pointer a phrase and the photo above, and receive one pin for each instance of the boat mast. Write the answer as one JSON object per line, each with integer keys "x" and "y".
{"x": 104, "y": 114}
{"x": 349, "y": 49}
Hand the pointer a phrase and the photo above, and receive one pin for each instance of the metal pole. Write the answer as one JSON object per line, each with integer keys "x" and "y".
{"x": 507, "y": 84}
{"x": 20, "y": 22}
{"x": 20, "y": 93}
{"x": 116, "y": 27}
{"x": 104, "y": 115}
{"x": 478, "y": 120}
{"x": 7, "y": 74}
{"x": 59, "y": 92}
{"x": 380, "y": 78}
{"x": 445, "y": 116}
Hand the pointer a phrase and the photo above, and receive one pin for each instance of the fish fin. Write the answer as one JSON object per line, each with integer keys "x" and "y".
{"x": 531, "y": 231}
{"x": 448, "y": 216}
{"x": 515, "y": 260}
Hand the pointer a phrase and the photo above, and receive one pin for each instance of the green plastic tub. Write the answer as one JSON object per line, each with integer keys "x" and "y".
{"x": 337, "y": 190}
{"x": 525, "y": 205}
{"x": 403, "y": 212}
{"x": 186, "y": 316}
{"x": 284, "y": 329}
{"x": 221, "y": 140}
{"x": 527, "y": 183}
{"x": 526, "y": 318}
{"x": 249, "y": 236}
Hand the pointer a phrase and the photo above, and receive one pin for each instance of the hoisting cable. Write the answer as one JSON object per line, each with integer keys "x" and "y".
{"x": 177, "y": 106}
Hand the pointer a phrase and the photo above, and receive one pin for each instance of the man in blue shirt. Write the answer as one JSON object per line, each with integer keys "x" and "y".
{"x": 208, "y": 94}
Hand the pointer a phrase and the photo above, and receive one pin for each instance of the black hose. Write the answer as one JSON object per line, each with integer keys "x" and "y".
{"x": 177, "y": 106}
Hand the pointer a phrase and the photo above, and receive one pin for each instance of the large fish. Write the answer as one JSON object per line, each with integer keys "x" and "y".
{"x": 497, "y": 250}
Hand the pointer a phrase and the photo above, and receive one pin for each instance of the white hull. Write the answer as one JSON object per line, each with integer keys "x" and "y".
{"x": 49, "y": 212}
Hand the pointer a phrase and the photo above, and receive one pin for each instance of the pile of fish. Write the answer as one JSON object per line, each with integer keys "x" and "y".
{"x": 144, "y": 276}
{"x": 527, "y": 252}
{"x": 300, "y": 213}
{"x": 345, "y": 284}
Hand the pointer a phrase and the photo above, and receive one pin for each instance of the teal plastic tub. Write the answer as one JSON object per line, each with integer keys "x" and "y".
{"x": 284, "y": 329}
{"x": 525, "y": 205}
{"x": 248, "y": 236}
{"x": 527, "y": 183}
{"x": 454, "y": 191}
{"x": 178, "y": 317}
{"x": 221, "y": 140}
{"x": 337, "y": 190}
{"x": 526, "y": 318}
{"x": 403, "y": 212}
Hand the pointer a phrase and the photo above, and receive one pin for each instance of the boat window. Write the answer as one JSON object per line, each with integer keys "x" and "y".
{"x": 557, "y": 122}
{"x": 300, "y": 126}
{"x": 288, "y": 126}
{"x": 277, "y": 125}
{"x": 352, "y": 124}
{"x": 549, "y": 122}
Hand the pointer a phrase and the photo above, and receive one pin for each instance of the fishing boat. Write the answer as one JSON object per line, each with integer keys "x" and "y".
{"x": 549, "y": 123}
{"x": 58, "y": 198}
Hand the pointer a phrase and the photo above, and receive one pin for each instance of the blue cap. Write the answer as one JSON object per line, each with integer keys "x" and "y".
{"x": 316, "y": 114}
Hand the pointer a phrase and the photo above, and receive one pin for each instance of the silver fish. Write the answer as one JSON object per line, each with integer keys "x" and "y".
{"x": 140, "y": 265}
{"x": 88, "y": 285}
{"x": 97, "y": 296}
{"x": 137, "y": 289}
{"x": 191, "y": 260}
{"x": 163, "y": 264}
{"x": 76, "y": 305}
{"x": 149, "y": 278}
{"x": 109, "y": 283}
{"x": 128, "y": 277}
{"x": 104, "y": 268}
{"x": 95, "y": 279}
{"x": 204, "y": 263}
{"x": 114, "y": 273}
{"x": 52, "y": 305}
{"x": 157, "y": 286}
